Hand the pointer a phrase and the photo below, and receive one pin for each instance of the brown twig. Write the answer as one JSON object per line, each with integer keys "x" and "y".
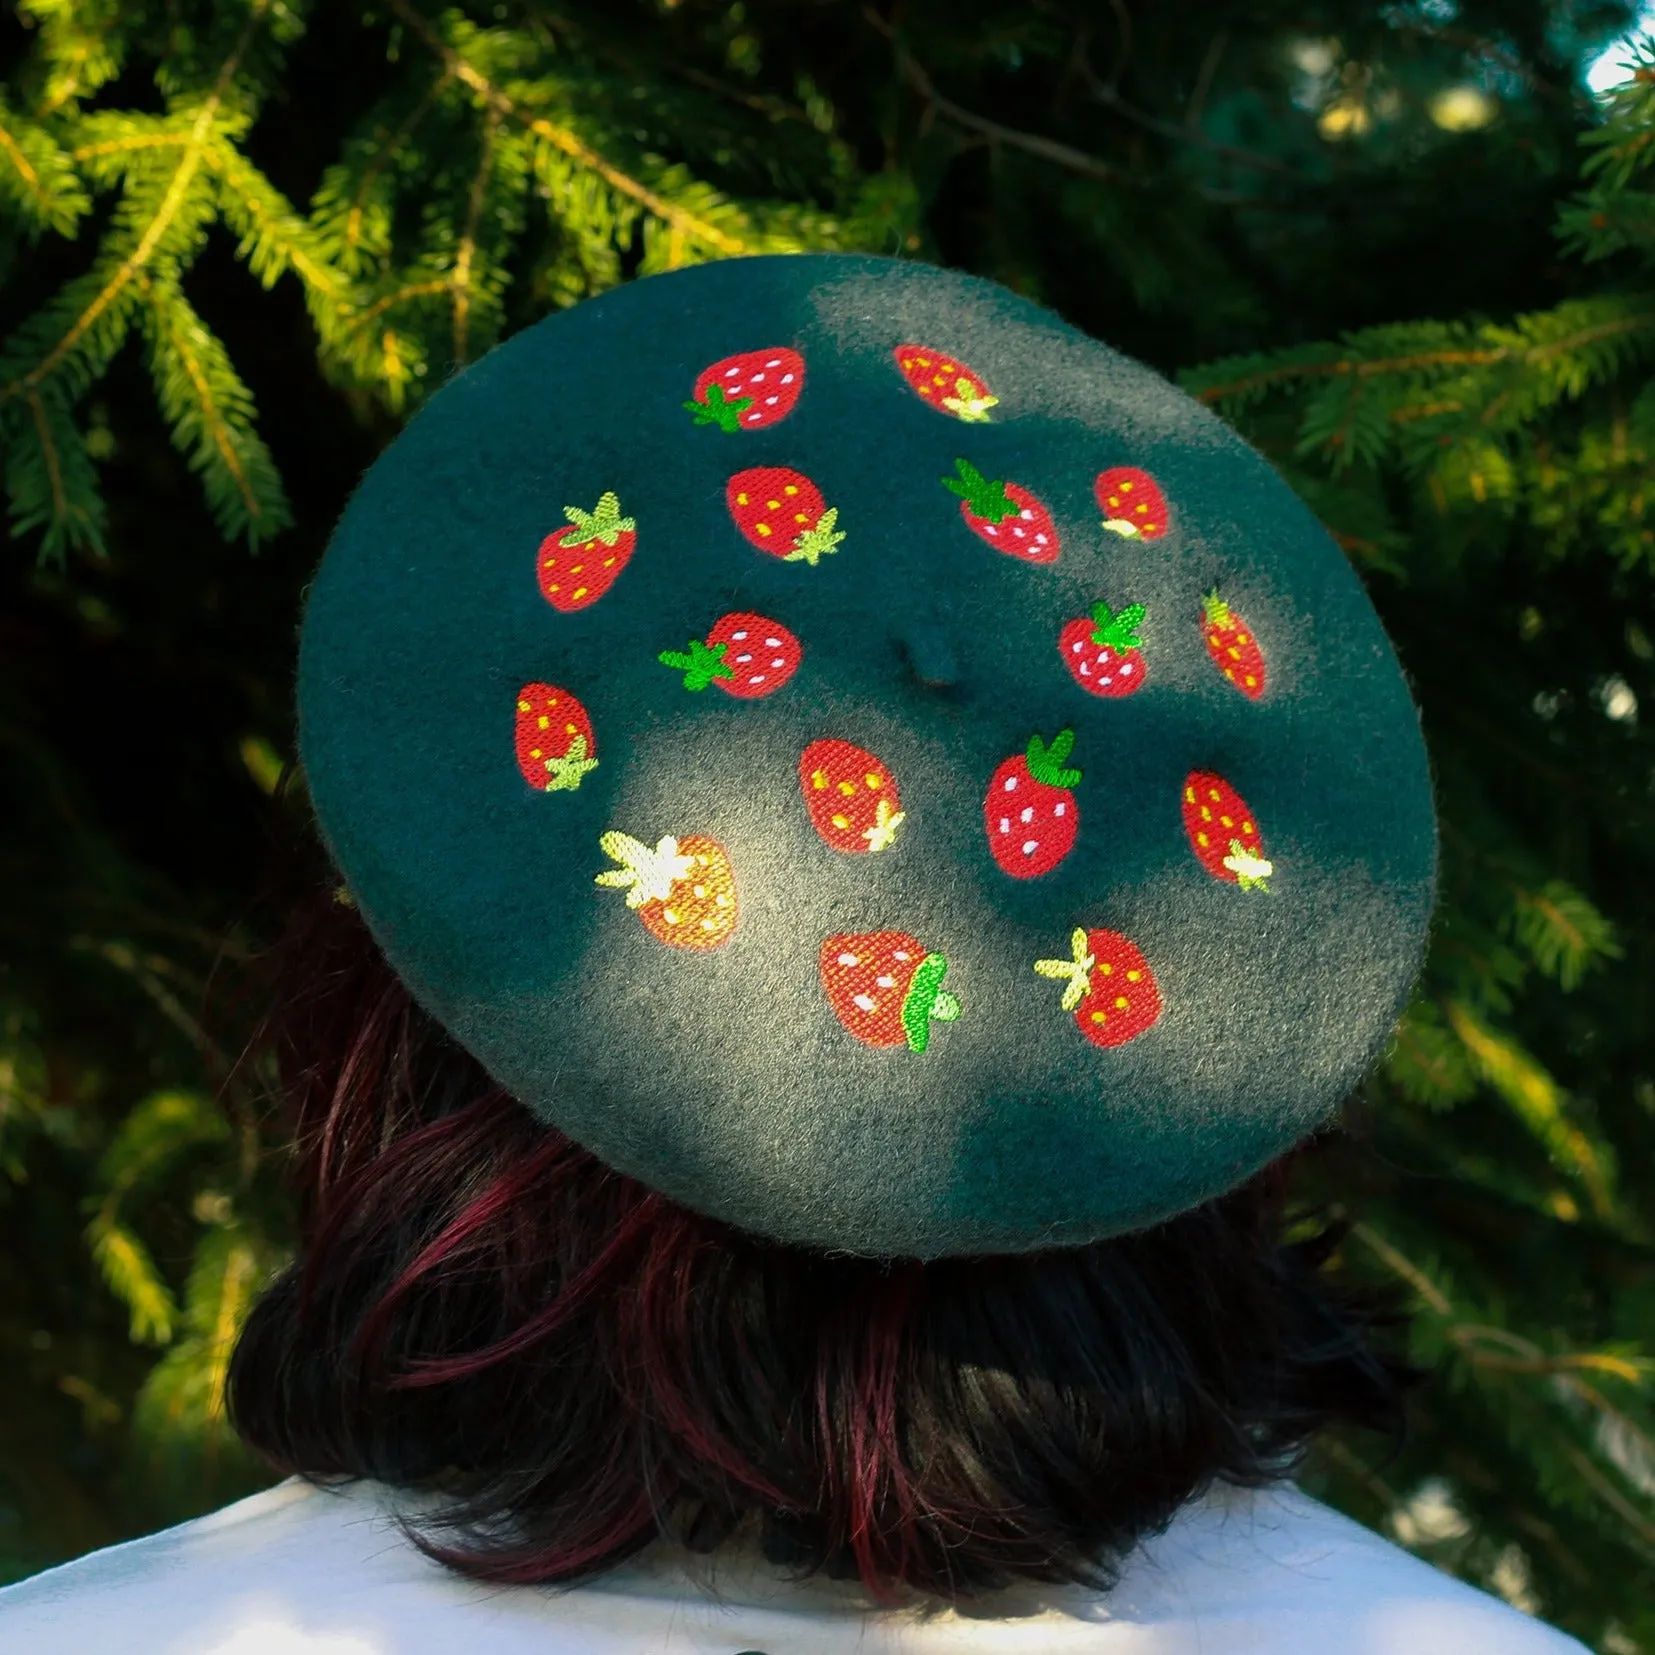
{"x": 1048, "y": 149}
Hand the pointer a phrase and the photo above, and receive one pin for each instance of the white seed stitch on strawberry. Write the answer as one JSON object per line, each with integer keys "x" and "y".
{"x": 1084, "y": 667}
{"x": 1018, "y": 530}
{"x": 1004, "y": 514}
{"x": 776, "y": 657}
{"x": 1033, "y": 823}
{"x": 753, "y": 389}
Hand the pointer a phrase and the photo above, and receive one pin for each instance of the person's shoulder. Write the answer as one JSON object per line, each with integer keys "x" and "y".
{"x": 193, "y": 1586}
{"x": 1282, "y": 1572}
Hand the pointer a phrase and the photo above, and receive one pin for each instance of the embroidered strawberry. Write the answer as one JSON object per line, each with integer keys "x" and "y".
{"x": 555, "y": 744}
{"x": 1103, "y": 650}
{"x": 885, "y": 988}
{"x": 1107, "y": 985}
{"x": 1222, "y": 832}
{"x": 851, "y": 796}
{"x": 1006, "y": 515}
{"x": 782, "y": 512}
{"x": 684, "y": 890}
{"x": 1029, "y": 812}
{"x": 1233, "y": 647}
{"x": 578, "y": 564}
{"x": 745, "y": 392}
{"x": 746, "y": 655}
{"x": 1132, "y": 501}
{"x": 945, "y": 383}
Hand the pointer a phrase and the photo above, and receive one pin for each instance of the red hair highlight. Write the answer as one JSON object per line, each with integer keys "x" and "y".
{"x": 482, "y": 1309}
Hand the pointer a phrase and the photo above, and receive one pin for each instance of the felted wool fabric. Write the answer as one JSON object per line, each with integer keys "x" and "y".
{"x": 762, "y": 923}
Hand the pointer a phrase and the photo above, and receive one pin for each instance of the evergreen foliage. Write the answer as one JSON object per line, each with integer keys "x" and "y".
{"x": 1397, "y": 245}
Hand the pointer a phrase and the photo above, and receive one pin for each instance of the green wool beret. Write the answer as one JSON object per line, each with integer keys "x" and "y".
{"x": 869, "y": 761}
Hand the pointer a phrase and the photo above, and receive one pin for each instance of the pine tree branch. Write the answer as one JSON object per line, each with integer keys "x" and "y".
{"x": 682, "y": 223}
{"x": 1536, "y": 1099}
{"x": 1400, "y": 1265}
{"x": 177, "y": 190}
{"x": 1530, "y": 354}
{"x": 39, "y": 176}
{"x": 76, "y": 45}
{"x": 1526, "y": 1357}
{"x": 234, "y": 1300}
{"x": 48, "y": 449}
{"x": 160, "y": 139}
{"x": 126, "y": 959}
{"x": 1287, "y": 371}
{"x": 466, "y": 251}
{"x": 211, "y": 415}
{"x": 1612, "y": 1497}
{"x": 401, "y": 295}
{"x": 387, "y": 151}
{"x": 1523, "y": 1356}
{"x": 1048, "y": 149}
{"x": 1106, "y": 94}
{"x": 212, "y": 420}
{"x": 13, "y": 152}
{"x": 274, "y": 237}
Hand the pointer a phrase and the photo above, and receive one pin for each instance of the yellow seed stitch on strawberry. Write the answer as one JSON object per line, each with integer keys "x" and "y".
{"x": 852, "y": 800}
{"x": 1106, "y": 1019}
{"x": 1233, "y": 647}
{"x": 556, "y": 747}
{"x": 1232, "y": 851}
{"x": 683, "y": 889}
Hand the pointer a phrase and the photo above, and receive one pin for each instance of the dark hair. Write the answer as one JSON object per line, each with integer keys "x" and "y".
{"x": 575, "y": 1365}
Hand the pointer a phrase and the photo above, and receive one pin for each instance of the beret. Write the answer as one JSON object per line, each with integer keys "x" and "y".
{"x": 868, "y": 761}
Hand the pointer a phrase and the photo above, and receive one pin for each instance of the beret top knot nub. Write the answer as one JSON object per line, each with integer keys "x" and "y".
{"x": 869, "y": 761}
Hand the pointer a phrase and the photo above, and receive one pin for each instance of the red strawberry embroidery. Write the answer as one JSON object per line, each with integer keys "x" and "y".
{"x": 1006, "y": 515}
{"x": 851, "y": 796}
{"x": 1029, "y": 812}
{"x": 1107, "y": 985}
{"x": 782, "y": 512}
{"x": 946, "y": 384}
{"x": 1233, "y": 647}
{"x": 885, "y": 988}
{"x": 1132, "y": 501}
{"x": 1222, "y": 832}
{"x": 1103, "y": 650}
{"x": 745, "y": 392}
{"x": 555, "y": 744}
{"x": 578, "y": 564}
{"x": 684, "y": 890}
{"x": 746, "y": 655}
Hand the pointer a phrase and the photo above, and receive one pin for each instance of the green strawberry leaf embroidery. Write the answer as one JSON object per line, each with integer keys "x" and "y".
{"x": 886, "y": 822}
{"x": 700, "y": 666}
{"x": 605, "y": 524}
{"x": 645, "y": 875}
{"x": 983, "y": 496}
{"x": 965, "y": 404}
{"x": 927, "y": 1002}
{"x": 1118, "y": 632}
{"x": 718, "y": 410}
{"x": 818, "y": 541}
{"x": 1046, "y": 763}
{"x": 1075, "y": 973}
{"x": 1217, "y": 611}
{"x": 1252, "y": 872}
{"x": 565, "y": 773}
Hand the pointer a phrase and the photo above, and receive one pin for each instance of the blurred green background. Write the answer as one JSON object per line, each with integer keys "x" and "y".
{"x": 1405, "y": 247}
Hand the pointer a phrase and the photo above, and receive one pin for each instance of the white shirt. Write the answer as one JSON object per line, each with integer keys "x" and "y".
{"x": 303, "y": 1571}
